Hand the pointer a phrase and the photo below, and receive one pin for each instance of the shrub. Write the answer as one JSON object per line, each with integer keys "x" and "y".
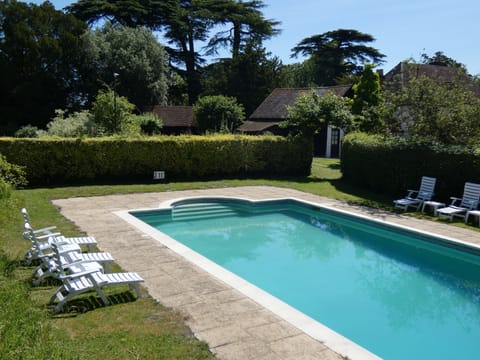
{"x": 112, "y": 112}
{"x": 311, "y": 112}
{"x": 77, "y": 124}
{"x": 11, "y": 174}
{"x": 150, "y": 124}
{"x": 446, "y": 112}
{"x": 218, "y": 113}
{"x": 27, "y": 131}
{"x": 391, "y": 165}
{"x": 57, "y": 161}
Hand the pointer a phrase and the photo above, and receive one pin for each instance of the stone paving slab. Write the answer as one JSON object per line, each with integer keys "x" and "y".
{"x": 234, "y": 326}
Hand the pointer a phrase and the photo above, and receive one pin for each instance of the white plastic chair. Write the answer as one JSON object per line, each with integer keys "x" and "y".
{"x": 416, "y": 198}
{"x": 42, "y": 244}
{"x": 459, "y": 206}
{"x": 80, "y": 283}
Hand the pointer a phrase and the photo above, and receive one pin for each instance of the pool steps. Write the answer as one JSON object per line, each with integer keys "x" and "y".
{"x": 201, "y": 211}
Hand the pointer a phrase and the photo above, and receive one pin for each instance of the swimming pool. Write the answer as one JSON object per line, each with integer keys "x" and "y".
{"x": 398, "y": 293}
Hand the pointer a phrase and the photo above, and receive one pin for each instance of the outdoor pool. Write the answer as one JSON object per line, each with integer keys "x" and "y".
{"x": 399, "y": 293}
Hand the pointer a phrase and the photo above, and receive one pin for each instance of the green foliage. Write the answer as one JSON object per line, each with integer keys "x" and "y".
{"x": 130, "y": 60}
{"x": 112, "y": 112}
{"x": 298, "y": 75}
{"x": 25, "y": 332}
{"x": 40, "y": 58}
{"x": 77, "y": 124}
{"x": 367, "y": 90}
{"x": 392, "y": 165}
{"x": 249, "y": 77}
{"x": 433, "y": 111}
{"x": 311, "y": 112}
{"x": 10, "y": 173}
{"x": 183, "y": 24}
{"x": 337, "y": 53}
{"x": 27, "y": 131}
{"x": 218, "y": 113}
{"x": 60, "y": 161}
{"x": 5, "y": 190}
{"x": 439, "y": 58}
{"x": 247, "y": 24}
{"x": 150, "y": 124}
{"x": 368, "y": 101}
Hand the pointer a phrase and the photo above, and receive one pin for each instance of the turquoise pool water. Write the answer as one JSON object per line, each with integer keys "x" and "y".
{"x": 399, "y": 294}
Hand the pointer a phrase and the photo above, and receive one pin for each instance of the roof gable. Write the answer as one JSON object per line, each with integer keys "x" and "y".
{"x": 403, "y": 72}
{"x": 274, "y": 107}
{"x": 175, "y": 116}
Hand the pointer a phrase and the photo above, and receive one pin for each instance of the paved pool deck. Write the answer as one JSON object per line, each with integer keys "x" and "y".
{"x": 234, "y": 326}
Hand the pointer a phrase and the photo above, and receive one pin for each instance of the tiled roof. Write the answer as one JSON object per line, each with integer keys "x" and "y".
{"x": 175, "y": 116}
{"x": 274, "y": 106}
{"x": 256, "y": 126}
{"x": 402, "y": 73}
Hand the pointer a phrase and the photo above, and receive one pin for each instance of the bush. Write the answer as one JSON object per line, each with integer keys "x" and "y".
{"x": 218, "y": 113}
{"x": 112, "y": 112}
{"x": 11, "y": 174}
{"x": 27, "y": 131}
{"x": 392, "y": 165}
{"x": 150, "y": 124}
{"x": 57, "y": 161}
{"x": 77, "y": 124}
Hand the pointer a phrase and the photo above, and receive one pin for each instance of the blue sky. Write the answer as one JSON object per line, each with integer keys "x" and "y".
{"x": 403, "y": 29}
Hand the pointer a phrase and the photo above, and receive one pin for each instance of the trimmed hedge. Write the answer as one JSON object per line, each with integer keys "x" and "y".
{"x": 62, "y": 161}
{"x": 392, "y": 165}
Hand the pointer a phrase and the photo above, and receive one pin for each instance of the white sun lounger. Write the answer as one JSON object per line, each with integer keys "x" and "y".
{"x": 416, "y": 198}
{"x": 94, "y": 281}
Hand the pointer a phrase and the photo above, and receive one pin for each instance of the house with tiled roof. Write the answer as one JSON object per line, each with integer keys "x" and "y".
{"x": 403, "y": 72}
{"x": 176, "y": 119}
{"x": 273, "y": 110}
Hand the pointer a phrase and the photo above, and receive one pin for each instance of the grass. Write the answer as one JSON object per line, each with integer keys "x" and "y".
{"x": 140, "y": 329}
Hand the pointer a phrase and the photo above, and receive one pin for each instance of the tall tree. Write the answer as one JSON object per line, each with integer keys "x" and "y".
{"x": 440, "y": 59}
{"x": 130, "y": 61}
{"x": 185, "y": 23}
{"x": 366, "y": 90}
{"x": 249, "y": 77}
{"x": 39, "y": 57}
{"x": 245, "y": 23}
{"x": 367, "y": 101}
{"x": 337, "y": 53}
{"x": 130, "y": 13}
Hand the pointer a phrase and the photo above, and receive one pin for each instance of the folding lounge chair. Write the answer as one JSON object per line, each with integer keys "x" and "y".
{"x": 416, "y": 198}
{"x": 41, "y": 244}
{"x": 88, "y": 241}
{"x": 459, "y": 206}
{"x": 63, "y": 262}
{"x": 77, "y": 284}
{"x": 45, "y": 230}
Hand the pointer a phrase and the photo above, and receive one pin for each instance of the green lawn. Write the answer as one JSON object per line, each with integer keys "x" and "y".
{"x": 141, "y": 329}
